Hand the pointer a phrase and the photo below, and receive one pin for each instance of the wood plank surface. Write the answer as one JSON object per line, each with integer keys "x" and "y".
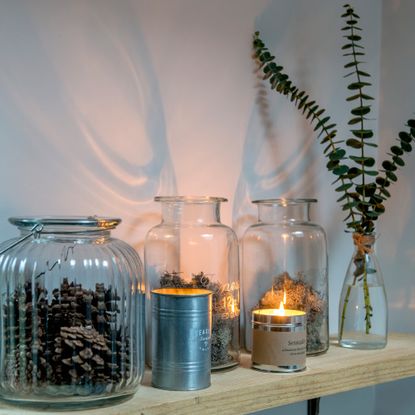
{"x": 243, "y": 390}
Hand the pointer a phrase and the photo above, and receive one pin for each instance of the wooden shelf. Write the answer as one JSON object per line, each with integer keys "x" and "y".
{"x": 243, "y": 390}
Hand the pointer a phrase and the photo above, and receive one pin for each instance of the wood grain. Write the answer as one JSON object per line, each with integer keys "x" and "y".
{"x": 243, "y": 390}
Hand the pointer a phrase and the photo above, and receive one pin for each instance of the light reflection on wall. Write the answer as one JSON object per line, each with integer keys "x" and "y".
{"x": 88, "y": 112}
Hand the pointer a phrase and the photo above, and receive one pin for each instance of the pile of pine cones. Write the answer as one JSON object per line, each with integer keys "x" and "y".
{"x": 71, "y": 340}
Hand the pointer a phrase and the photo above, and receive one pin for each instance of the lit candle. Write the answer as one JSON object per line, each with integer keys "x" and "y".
{"x": 278, "y": 339}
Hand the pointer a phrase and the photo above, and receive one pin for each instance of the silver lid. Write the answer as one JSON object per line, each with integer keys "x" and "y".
{"x": 271, "y": 317}
{"x": 96, "y": 222}
{"x": 190, "y": 199}
{"x": 284, "y": 202}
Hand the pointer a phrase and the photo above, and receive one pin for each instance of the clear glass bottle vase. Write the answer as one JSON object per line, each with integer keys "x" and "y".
{"x": 191, "y": 248}
{"x": 284, "y": 258}
{"x": 363, "y": 310}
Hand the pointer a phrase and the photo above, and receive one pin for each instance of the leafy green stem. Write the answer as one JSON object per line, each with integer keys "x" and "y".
{"x": 281, "y": 83}
{"x": 344, "y": 310}
{"x": 366, "y": 293}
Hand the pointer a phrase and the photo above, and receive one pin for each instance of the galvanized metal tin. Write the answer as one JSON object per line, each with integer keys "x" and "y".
{"x": 181, "y": 337}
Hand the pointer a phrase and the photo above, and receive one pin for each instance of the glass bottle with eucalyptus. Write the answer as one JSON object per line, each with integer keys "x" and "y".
{"x": 363, "y": 310}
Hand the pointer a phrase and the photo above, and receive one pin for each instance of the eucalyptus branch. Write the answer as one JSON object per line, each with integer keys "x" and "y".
{"x": 281, "y": 83}
{"x": 362, "y": 187}
{"x": 387, "y": 175}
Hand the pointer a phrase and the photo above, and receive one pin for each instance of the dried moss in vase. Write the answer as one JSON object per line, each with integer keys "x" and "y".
{"x": 77, "y": 347}
{"x": 300, "y": 295}
{"x": 224, "y": 319}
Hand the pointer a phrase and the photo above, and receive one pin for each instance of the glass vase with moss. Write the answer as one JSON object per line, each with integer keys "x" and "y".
{"x": 284, "y": 259}
{"x": 191, "y": 248}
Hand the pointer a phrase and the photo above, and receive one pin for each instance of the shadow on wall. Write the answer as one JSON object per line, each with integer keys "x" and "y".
{"x": 279, "y": 146}
{"x": 82, "y": 113}
{"x": 273, "y": 165}
{"x": 396, "y": 243}
{"x": 282, "y": 155}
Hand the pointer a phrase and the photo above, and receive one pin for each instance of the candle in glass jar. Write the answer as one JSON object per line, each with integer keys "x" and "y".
{"x": 279, "y": 339}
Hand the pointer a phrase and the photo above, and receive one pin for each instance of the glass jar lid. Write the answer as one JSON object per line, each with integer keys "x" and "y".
{"x": 190, "y": 199}
{"x": 284, "y": 201}
{"x": 89, "y": 222}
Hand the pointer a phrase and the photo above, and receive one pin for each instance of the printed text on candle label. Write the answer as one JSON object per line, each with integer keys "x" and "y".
{"x": 279, "y": 348}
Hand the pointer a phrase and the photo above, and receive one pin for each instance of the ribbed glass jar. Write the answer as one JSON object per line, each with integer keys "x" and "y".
{"x": 191, "y": 248}
{"x": 284, "y": 259}
{"x": 71, "y": 314}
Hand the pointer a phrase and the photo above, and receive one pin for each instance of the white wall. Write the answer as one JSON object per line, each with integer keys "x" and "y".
{"x": 104, "y": 104}
{"x": 396, "y": 247}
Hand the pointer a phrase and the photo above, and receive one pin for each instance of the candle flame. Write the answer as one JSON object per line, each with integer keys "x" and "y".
{"x": 280, "y": 311}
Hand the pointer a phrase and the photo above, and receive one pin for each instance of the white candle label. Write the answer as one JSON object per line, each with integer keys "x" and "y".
{"x": 279, "y": 348}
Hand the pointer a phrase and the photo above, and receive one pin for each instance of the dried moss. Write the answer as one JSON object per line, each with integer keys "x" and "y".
{"x": 300, "y": 295}
{"x": 223, "y": 321}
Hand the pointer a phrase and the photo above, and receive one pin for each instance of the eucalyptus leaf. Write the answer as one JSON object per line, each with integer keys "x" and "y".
{"x": 353, "y": 97}
{"x": 397, "y": 150}
{"x": 387, "y": 165}
{"x": 392, "y": 176}
{"x": 384, "y": 192}
{"x": 406, "y": 147}
{"x": 362, "y": 110}
{"x": 358, "y": 85}
{"x": 362, "y": 133}
{"x": 352, "y": 142}
{"x": 354, "y": 121}
{"x": 341, "y": 170}
{"x": 337, "y": 154}
{"x": 405, "y": 137}
{"x": 398, "y": 160}
{"x": 382, "y": 182}
{"x": 343, "y": 187}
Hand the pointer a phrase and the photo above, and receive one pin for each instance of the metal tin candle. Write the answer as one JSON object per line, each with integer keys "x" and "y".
{"x": 278, "y": 340}
{"x": 181, "y": 331}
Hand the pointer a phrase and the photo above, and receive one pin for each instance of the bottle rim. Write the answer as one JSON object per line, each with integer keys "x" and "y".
{"x": 96, "y": 222}
{"x": 190, "y": 199}
{"x": 284, "y": 201}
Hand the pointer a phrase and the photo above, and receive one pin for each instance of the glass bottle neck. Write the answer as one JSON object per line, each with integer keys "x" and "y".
{"x": 364, "y": 243}
{"x": 191, "y": 213}
{"x": 275, "y": 213}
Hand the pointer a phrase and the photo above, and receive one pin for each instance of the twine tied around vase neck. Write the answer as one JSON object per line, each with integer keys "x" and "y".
{"x": 363, "y": 243}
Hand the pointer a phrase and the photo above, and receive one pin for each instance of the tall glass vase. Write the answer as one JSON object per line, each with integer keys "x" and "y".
{"x": 189, "y": 249}
{"x": 363, "y": 310}
{"x": 284, "y": 258}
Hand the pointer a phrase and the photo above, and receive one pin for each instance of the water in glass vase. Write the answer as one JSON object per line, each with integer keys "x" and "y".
{"x": 355, "y": 333}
